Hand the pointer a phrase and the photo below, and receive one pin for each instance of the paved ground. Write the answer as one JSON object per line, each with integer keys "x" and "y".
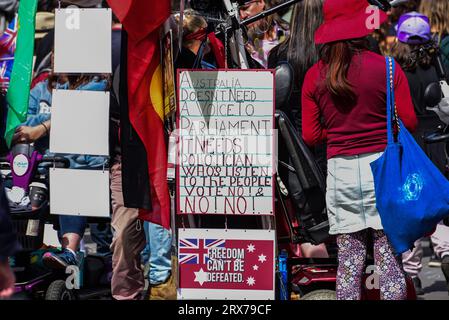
{"x": 432, "y": 279}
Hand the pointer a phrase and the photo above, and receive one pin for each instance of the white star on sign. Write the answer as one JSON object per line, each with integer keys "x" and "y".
{"x": 255, "y": 267}
{"x": 200, "y": 276}
{"x": 262, "y": 258}
{"x": 251, "y": 248}
{"x": 250, "y": 281}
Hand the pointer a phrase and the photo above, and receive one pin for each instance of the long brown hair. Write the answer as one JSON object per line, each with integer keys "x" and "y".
{"x": 299, "y": 46}
{"x": 437, "y": 11}
{"x": 409, "y": 58}
{"x": 426, "y": 7}
{"x": 337, "y": 56}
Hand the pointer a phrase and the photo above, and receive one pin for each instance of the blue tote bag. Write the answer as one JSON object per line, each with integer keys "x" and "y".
{"x": 412, "y": 195}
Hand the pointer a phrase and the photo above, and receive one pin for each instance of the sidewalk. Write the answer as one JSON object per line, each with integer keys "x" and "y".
{"x": 433, "y": 281}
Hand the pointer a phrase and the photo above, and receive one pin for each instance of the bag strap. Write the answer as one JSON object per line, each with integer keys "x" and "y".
{"x": 392, "y": 112}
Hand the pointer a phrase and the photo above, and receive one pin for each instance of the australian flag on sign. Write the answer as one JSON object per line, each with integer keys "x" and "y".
{"x": 195, "y": 251}
{"x": 7, "y": 49}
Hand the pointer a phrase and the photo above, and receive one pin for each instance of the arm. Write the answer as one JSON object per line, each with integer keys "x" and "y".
{"x": 312, "y": 131}
{"x": 26, "y": 134}
{"x": 37, "y": 124}
{"x": 404, "y": 103}
{"x": 35, "y": 118}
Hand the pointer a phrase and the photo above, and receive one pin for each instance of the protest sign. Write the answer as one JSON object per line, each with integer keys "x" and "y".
{"x": 77, "y": 192}
{"x": 226, "y": 264}
{"x": 80, "y": 122}
{"x": 225, "y": 149}
{"x": 83, "y": 41}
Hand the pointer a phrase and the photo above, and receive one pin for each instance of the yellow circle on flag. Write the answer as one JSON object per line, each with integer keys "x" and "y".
{"x": 156, "y": 94}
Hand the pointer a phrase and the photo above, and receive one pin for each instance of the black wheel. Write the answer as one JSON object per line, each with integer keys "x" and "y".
{"x": 58, "y": 291}
{"x": 319, "y": 295}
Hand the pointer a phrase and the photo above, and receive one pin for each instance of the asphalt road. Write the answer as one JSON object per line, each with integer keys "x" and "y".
{"x": 432, "y": 278}
{"x": 433, "y": 281}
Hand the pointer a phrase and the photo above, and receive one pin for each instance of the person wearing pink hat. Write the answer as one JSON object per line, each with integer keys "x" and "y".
{"x": 344, "y": 104}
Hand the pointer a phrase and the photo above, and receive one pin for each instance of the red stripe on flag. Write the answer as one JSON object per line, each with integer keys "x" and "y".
{"x": 148, "y": 125}
{"x": 141, "y": 19}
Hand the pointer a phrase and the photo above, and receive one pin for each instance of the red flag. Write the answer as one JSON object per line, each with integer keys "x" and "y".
{"x": 142, "y": 19}
{"x": 218, "y": 49}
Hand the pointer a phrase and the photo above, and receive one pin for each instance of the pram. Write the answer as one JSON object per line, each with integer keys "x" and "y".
{"x": 24, "y": 166}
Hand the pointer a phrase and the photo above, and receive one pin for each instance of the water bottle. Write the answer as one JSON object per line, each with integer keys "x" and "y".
{"x": 283, "y": 256}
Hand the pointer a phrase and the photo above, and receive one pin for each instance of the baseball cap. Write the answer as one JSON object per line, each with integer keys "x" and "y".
{"x": 414, "y": 28}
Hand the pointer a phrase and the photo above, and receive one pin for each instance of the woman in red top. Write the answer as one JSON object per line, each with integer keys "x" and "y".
{"x": 344, "y": 104}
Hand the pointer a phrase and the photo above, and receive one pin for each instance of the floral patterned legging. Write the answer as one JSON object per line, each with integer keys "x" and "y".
{"x": 351, "y": 264}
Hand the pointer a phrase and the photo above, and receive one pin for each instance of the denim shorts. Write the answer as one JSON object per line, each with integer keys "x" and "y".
{"x": 350, "y": 196}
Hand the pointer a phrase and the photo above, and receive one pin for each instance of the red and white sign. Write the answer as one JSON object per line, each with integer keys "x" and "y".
{"x": 226, "y": 264}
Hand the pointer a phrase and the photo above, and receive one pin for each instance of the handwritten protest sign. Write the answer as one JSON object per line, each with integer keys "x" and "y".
{"x": 225, "y": 149}
{"x": 231, "y": 264}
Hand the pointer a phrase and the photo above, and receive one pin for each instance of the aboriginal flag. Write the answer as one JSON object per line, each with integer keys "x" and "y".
{"x": 141, "y": 20}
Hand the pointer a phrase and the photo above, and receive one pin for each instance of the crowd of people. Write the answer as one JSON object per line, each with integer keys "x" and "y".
{"x": 136, "y": 247}
{"x": 337, "y": 104}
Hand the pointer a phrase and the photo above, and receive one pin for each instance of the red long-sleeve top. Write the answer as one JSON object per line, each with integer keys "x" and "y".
{"x": 361, "y": 128}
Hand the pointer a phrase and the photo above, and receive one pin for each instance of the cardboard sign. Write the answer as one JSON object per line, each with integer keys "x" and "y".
{"x": 80, "y": 122}
{"x": 226, "y": 264}
{"x": 79, "y": 192}
{"x": 225, "y": 149}
{"x": 83, "y": 41}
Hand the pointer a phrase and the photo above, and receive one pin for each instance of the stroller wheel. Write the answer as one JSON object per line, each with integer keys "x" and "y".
{"x": 319, "y": 295}
{"x": 58, "y": 291}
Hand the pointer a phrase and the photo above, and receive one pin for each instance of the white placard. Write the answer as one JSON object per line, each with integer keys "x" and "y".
{"x": 79, "y": 192}
{"x": 80, "y": 122}
{"x": 225, "y": 153}
{"x": 83, "y": 41}
{"x": 226, "y": 264}
{"x": 51, "y": 238}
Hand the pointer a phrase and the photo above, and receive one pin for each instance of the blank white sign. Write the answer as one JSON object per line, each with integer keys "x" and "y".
{"x": 80, "y": 122}
{"x": 83, "y": 41}
{"x": 51, "y": 236}
{"x": 79, "y": 192}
